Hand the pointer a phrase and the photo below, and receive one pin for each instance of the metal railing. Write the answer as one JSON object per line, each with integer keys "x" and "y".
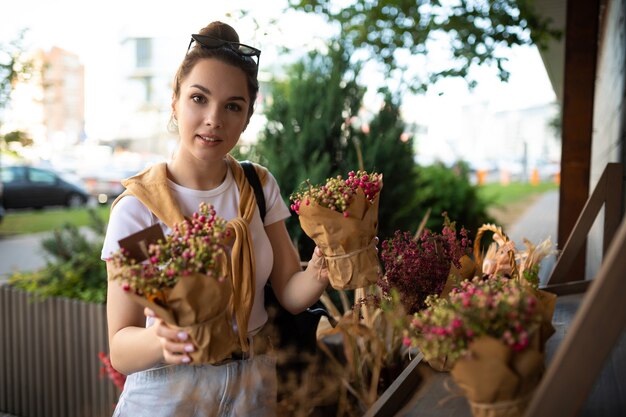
{"x": 49, "y": 365}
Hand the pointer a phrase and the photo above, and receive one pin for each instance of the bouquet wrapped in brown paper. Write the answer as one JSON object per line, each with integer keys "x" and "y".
{"x": 183, "y": 278}
{"x": 489, "y": 329}
{"x": 341, "y": 216}
{"x": 497, "y": 380}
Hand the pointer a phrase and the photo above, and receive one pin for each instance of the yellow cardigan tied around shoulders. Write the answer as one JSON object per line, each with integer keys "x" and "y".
{"x": 151, "y": 188}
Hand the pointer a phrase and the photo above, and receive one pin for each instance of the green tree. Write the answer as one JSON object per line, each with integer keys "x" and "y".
{"x": 310, "y": 135}
{"x": 13, "y": 67}
{"x": 305, "y": 136}
{"x": 442, "y": 189}
{"x": 387, "y": 149}
{"x": 18, "y": 136}
{"x": 475, "y": 31}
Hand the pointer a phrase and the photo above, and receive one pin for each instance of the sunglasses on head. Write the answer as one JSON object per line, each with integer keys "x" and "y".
{"x": 210, "y": 42}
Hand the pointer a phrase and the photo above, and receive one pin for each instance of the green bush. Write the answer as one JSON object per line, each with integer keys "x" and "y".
{"x": 443, "y": 189}
{"x": 75, "y": 270}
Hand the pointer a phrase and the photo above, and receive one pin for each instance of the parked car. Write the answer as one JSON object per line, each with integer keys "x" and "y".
{"x": 106, "y": 185}
{"x": 30, "y": 187}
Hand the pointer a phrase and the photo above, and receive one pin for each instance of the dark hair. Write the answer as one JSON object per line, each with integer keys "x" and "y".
{"x": 196, "y": 53}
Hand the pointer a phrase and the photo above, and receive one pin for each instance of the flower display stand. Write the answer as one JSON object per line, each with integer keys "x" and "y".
{"x": 590, "y": 322}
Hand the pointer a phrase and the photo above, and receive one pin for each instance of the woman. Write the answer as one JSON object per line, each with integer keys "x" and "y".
{"x": 213, "y": 99}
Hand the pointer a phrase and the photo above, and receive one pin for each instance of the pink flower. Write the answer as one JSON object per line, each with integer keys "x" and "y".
{"x": 195, "y": 245}
{"x": 494, "y": 306}
{"x": 336, "y": 194}
{"x": 417, "y": 268}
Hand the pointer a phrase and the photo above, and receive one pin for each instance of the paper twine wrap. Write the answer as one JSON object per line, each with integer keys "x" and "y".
{"x": 199, "y": 304}
{"x": 497, "y": 381}
{"x": 348, "y": 243}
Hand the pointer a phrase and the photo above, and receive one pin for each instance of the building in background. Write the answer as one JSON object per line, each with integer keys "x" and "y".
{"x": 145, "y": 80}
{"x": 63, "y": 78}
{"x": 50, "y": 105}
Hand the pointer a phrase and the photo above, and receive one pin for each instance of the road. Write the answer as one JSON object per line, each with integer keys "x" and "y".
{"x": 24, "y": 253}
{"x": 21, "y": 253}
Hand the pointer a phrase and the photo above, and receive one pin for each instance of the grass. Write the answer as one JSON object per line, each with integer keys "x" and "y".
{"x": 507, "y": 203}
{"x": 501, "y": 195}
{"x": 18, "y": 222}
{"x": 35, "y": 221}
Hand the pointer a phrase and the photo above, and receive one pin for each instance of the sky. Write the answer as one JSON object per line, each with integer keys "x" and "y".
{"x": 93, "y": 30}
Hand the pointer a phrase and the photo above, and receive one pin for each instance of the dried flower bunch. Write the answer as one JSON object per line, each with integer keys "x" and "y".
{"x": 337, "y": 193}
{"x": 372, "y": 354}
{"x": 502, "y": 308}
{"x": 505, "y": 259}
{"x": 196, "y": 245}
{"x": 419, "y": 267}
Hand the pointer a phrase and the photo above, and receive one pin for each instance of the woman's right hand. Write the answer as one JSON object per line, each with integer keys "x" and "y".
{"x": 175, "y": 342}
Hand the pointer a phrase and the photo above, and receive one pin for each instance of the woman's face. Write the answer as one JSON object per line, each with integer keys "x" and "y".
{"x": 212, "y": 109}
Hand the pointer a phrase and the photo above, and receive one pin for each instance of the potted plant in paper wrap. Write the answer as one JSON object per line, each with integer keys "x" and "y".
{"x": 373, "y": 351}
{"x": 492, "y": 328}
{"x": 184, "y": 280}
{"x": 424, "y": 264}
{"x": 341, "y": 216}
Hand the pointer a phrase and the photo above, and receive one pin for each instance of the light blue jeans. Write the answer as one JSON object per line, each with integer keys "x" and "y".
{"x": 245, "y": 387}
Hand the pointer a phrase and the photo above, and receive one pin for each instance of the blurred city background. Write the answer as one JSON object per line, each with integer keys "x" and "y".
{"x": 96, "y": 105}
{"x": 469, "y": 108}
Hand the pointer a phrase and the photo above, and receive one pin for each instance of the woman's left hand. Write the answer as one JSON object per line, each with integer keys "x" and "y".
{"x": 318, "y": 264}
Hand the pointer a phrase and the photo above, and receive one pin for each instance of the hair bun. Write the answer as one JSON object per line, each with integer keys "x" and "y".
{"x": 221, "y": 31}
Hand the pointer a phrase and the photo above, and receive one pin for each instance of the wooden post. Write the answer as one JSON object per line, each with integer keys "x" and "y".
{"x": 581, "y": 49}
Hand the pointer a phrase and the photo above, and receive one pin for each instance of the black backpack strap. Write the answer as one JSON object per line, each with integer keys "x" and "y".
{"x": 298, "y": 330}
{"x": 255, "y": 182}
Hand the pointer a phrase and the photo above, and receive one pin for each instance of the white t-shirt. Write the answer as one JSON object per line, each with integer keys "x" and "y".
{"x": 129, "y": 216}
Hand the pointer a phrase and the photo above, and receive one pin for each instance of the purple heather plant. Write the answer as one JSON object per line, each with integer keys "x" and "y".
{"x": 195, "y": 246}
{"x": 337, "y": 193}
{"x": 419, "y": 267}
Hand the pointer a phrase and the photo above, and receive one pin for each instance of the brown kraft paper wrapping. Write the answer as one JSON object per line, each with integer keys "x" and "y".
{"x": 199, "y": 304}
{"x": 496, "y": 380}
{"x": 547, "y": 301}
{"x": 346, "y": 242}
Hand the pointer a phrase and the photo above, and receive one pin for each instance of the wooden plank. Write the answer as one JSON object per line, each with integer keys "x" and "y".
{"x": 597, "y": 326}
{"x": 66, "y": 348}
{"x": 612, "y": 202}
{"x": 4, "y": 351}
{"x": 566, "y": 288}
{"x": 29, "y": 358}
{"x": 437, "y": 396}
{"x": 398, "y": 392}
{"x": 607, "y": 192}
{"x": 38, "y": 341}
